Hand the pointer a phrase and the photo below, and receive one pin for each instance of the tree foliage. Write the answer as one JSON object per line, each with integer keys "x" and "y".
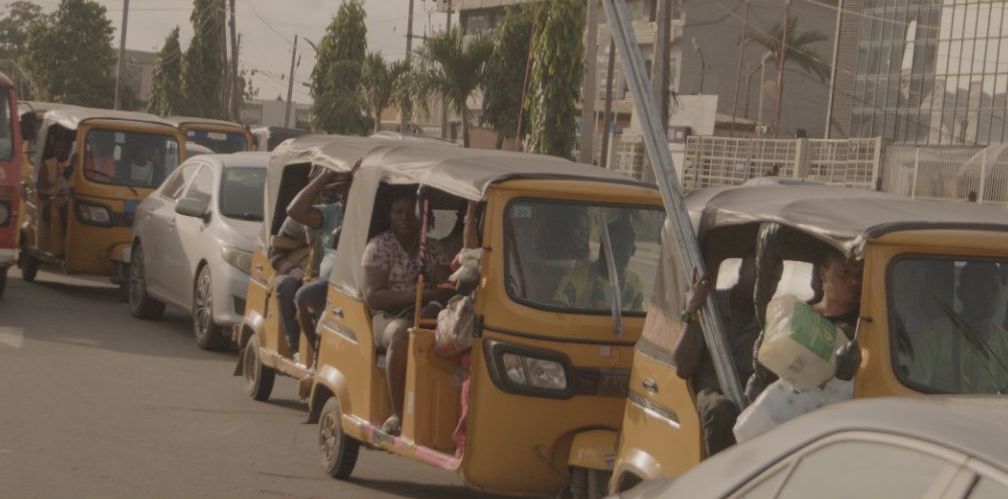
{"x": 203, "y": 84}
{"x": 504, "y": 78}
{"x": 166, "y": 96}
{"x": 15, "y": 27}
{"x": 555, "y": 80}
{"x": 70, "y": 55}
{"x": 382, "y": 82}
{"x": 339, "y": 105}
{"x": 453, "y": 68}
{"x": 799, "y": 48}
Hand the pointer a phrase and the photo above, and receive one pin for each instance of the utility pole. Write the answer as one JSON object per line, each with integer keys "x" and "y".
{"x": 404, "y": 117}
{"x": 444, "y": 100}
{"x": 590, "y": 83}
{"x": 122, "y": 57}
{"x": 780, "y": 66}
{"x": 607, "y": 113}
{"x": 235, "y": 83}
{"x": 738, "y": 67}
{"x": 660, "y": 65}
{"x": 290, "y": 84}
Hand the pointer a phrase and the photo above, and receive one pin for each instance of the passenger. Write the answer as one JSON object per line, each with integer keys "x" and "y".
{"x": 54, "y": 184}
{"x": 738, "y": 315}
{"x": 392, "y": 264}
{"x": 288, "y": 254}
{"x": 142, "y": 165}
{"x": 325, "y": 220}
{"x": 587, "y": 285}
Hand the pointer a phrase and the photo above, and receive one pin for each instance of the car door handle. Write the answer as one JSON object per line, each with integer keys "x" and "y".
{"x": 650, "y": 385}
{"x": 338, "y": 312}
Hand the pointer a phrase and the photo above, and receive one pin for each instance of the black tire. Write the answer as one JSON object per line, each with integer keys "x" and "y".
{"x": 258, "y": 378}
{"x": 29, "y": 265}
{"x": 205, "y": 330}
{"x": 587, "y": 483}
{"x": 122, "y": 281}
{"x": 141, "y": 305}
{"x": 338, "y": 452}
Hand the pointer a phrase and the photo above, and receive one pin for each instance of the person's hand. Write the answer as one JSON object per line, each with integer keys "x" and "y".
{"x": 697, "y": 294}
{"x": 297, "y": 273}
{"x": 327, "y": 176}
{"x": 438, "y": 294}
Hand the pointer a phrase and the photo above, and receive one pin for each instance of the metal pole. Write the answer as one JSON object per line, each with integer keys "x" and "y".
{"x": 780, "y": 66}
{"x": 444, "y": 100}
{"x": 607, "y": 113}
{"x": 403, "y": 112}
{"x": 913, "y": 183}
{"x": 833, "y": 70}
{"x": 290, "y": 84}
{"x": 235, "y": 83}
{"x": 659, "y": 85}
{"x": 122, "y": 57}
{"x": 738, "y": 67}
{"x": 762, "y": 80}
{"x": 590, "y": 90}
{"x": 671, "y": 191}
{"x": 983, "y": 176}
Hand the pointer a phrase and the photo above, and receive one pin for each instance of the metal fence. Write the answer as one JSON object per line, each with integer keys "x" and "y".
{"x": 966, "y": 172}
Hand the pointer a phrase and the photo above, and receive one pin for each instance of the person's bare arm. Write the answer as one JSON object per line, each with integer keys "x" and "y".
{"x": 302, "y": 207}
{"x": 690, "y": 348}
{"x": 379, "y": 296}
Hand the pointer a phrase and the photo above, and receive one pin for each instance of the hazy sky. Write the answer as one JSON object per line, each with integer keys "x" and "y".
{"x": 268, "y": 27}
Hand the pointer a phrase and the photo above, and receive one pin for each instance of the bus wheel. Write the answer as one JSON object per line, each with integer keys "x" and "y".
{"x": 258, "y": 378}
{"x": 141, "y": 305}
{"x": 339, "y": 452}
{"x": 587, "y": 483}
{"x": 29, "y": 265}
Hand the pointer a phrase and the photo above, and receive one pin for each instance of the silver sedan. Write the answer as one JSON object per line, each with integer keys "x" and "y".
{"x": 193, "y": 239}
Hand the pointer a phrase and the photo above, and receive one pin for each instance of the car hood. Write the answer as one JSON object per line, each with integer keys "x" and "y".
{"x": 239, "y": 234}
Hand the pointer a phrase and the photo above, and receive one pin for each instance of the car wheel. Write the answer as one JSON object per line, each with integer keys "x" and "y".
{"x": 141, "y": 305}
{"x": 122, "y": 281}
{"x": 338, "y": 451}
{"x": 29, "y": 265}
{"x": 587, "y": 483}
{"x": 258, "y": 378}
{"x": 207, "y": 332}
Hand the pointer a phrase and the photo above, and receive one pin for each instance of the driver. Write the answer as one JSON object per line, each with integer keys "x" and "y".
{"x": 587, "y": 286}
{"x": 102, "y": 157}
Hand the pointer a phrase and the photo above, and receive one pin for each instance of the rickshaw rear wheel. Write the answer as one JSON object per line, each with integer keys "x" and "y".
{"x": 141, "y": 305}
{"x": 258, "y": 378}
{"x": 338, "y": 451}
{"x": 29, "y": 265}
{"x": 207, "y": 332}
{"x": 588, "y": 483}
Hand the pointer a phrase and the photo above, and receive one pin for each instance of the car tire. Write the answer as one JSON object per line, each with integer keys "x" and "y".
{"x": 338, "y": 451}
{"x": 29, "y": 265}
{"x": 141, "y": 305}
{"x": 588, "y": 483}
{"x": 258, "y": 378}
{"x": 205, "y": 330}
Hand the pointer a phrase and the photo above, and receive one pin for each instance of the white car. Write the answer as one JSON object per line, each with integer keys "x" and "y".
{"x": 193, "y": 239}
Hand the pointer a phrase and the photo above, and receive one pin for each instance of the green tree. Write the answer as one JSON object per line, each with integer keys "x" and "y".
{"x": 14, "y": 28}
{"x": 800, "y": 50}
{"x": 555, "y": 80}
{"x": 166, "y": 90}
{"x": 453, "y": 67}
{"x": 382, "y": 82}
{"x": 70, "y": 55}
{"x": 504, "y": 79}
{"x": 338, "y": 104}
{"x": 203, "y": 67}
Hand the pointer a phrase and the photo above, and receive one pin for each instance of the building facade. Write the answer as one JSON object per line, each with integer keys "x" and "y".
{"x": 922, "y": 72}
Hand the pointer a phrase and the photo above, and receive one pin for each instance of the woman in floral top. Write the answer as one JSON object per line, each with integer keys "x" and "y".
{"x": 391, "y": 266}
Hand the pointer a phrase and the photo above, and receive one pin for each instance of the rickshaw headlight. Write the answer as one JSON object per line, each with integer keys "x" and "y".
{"x": 537, "y": 373}
{"x": 239, "y": 259}
{"x": 94, "y": 214}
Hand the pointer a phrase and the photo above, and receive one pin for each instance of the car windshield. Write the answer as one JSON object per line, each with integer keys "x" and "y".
{"x": 241, "y": 193}
{"x": 948, "y": 315}
{"x": 218, "y": 142}
{"x": 556, "y": 260}
{"x": 133, "y": 159}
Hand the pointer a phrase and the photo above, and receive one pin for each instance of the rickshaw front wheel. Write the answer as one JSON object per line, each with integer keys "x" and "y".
{"x": 587, "y": 483}
{"x": 258, "y": 378}
{"x": 338, "y": 451}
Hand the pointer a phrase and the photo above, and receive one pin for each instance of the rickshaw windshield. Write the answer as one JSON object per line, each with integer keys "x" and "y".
{"x": 556, "y": 261}
{"x": 6, "y": 130}
{"x": 948, "y": 318}
{"x": 219, "y": 142}
{"x": 132, "y": 159}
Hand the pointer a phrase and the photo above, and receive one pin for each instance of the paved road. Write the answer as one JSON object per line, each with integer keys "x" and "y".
{"x": 96, "y": 404}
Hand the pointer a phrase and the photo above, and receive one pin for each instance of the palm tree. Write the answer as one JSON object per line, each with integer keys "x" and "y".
{"x": 381, "y": 83}
{"x": 453, "y": 69}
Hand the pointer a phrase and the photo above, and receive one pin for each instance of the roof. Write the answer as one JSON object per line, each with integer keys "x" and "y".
{"x": 467, "y": 173}
{"x": 191, "y": 120}
{"x": 842, "y": 217}
{"x": 72, "y": 116}
{"x": 970, "y": 425}
{"x": 41, "y": 107}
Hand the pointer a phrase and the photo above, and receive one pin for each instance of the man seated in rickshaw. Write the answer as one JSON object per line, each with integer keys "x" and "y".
{"x": 392, "y": 262}
{"x": 143, "y": 164}
{"x": 53, "y": 183}
{"x": 967, "y": 352}
{"x": 587, "y": 285}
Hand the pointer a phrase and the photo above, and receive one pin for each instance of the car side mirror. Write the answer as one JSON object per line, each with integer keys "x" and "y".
{"x": 29, "y": 125}
{"x": 193, "y": 207}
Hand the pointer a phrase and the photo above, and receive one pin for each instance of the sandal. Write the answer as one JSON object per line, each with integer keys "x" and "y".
{"x": 392, "y": 426}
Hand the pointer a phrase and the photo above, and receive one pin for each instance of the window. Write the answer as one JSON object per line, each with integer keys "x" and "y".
{"x": 241, "y": 193}
{"x": 863, "y": 469}
{"x": 948, "y": 321}
{"x": 796, "y": 278}
{"x": 129, "y": 158}
{"x": 555, "y": 257}
{"x": 202, "y": 185}
{"x": 219, "y": 142}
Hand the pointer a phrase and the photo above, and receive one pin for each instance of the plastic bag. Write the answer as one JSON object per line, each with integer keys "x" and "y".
{"x": 799, "y": 344}
{"x": 781, "y": 402}
{"x": 454, "y": 332}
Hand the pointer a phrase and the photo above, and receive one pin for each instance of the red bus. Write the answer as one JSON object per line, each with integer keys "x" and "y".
{"x": 10, "y": 177}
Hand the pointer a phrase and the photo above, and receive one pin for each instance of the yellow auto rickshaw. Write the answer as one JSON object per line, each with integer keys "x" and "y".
{"x": 218, "y": 136}
{"x": 90, "y": 169}
{"x": 552, "y": 337}
{"x": 932, "y": 315}
{"x": 265, "y": 352}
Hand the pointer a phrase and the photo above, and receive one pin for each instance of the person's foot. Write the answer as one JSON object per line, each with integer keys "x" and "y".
{"x": 392, "y": 426}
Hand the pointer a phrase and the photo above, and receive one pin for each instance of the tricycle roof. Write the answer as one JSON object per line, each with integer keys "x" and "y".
{"x": 182, "y": 121}
{"x": 71, "y": 117}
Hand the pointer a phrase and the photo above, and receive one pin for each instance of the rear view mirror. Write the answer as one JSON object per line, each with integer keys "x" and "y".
{"x": 193, "y": 207}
